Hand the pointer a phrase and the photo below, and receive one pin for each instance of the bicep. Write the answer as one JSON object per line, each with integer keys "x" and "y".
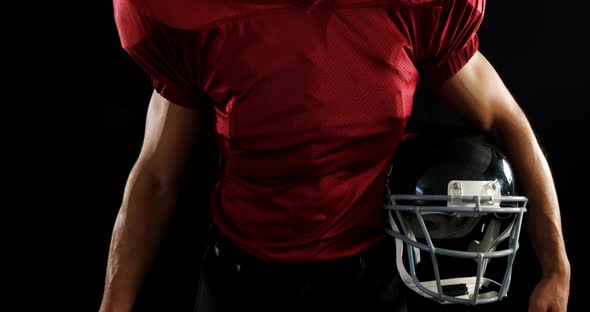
{"x": 170, "y": 132}
{"x": 478, "y": 93}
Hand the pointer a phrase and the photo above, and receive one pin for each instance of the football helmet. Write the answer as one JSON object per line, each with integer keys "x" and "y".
{"x": 452, "y": 207}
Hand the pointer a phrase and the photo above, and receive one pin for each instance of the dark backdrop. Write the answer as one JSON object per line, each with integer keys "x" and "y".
{"x": 72, "y": 123}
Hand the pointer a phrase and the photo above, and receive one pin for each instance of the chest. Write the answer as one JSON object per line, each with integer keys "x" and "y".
{"x": 293, "y": 72}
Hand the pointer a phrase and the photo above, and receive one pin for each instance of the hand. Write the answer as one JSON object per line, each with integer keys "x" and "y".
{"x": 551, "y": 294}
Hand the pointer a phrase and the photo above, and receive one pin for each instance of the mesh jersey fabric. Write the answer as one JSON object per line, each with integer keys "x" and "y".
{"x": 311, "y": 99}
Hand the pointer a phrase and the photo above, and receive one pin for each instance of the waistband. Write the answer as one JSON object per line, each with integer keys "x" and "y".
{"x": 227, "y": 252}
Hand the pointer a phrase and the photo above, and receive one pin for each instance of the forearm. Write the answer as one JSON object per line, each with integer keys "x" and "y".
{"x": 515, "y": 136}
{"x": 138, "y": 229}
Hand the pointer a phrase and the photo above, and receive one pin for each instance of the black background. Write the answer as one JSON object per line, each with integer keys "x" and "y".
{"x": 73, "y": 113}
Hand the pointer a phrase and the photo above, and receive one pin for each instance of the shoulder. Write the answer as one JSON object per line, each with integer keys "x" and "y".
{"x": 440, "y": 9}
{"x": 460, "y": 12}
{"x": 130, "y": 21}
{"x": 193, "y": 14}
{"x": 135, "y": 19}
{"x": 476, "y": 6}
{"x": 445, "y": 5}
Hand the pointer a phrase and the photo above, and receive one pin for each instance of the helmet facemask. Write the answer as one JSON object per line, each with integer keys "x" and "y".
{"x": 451, "y": 242}
{"x": 452, "y": 207}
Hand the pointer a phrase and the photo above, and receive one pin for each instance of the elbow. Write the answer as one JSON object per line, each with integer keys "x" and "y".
{"x": 513, "y": 132}
{"x": 159, "y": 181}
{"x": 508, "y": 120}
{"x": 164, "y": 186}
{"x": 163, "y": 183}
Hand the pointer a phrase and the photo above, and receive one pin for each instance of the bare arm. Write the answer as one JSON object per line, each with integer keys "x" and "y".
{"x": 148, "y": 200}
{"x": 479, "y": 94}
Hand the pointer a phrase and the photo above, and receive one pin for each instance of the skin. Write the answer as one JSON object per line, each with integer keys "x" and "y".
{"x": 476, "y": 91}
{"x": 149, "y": 199}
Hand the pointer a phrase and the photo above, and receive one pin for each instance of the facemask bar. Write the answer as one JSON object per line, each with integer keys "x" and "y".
{"x": 413, "y": 247}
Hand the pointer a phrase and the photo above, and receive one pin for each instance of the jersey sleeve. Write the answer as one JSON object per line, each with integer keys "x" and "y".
{"x": 170, "y": 56}
{"x": 446, "y": 49}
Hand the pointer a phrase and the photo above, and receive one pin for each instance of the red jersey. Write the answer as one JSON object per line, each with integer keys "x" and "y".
{"x": 311, "y": 99}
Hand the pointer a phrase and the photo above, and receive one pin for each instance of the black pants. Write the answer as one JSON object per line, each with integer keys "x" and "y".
{"x": 232, "y": 281}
